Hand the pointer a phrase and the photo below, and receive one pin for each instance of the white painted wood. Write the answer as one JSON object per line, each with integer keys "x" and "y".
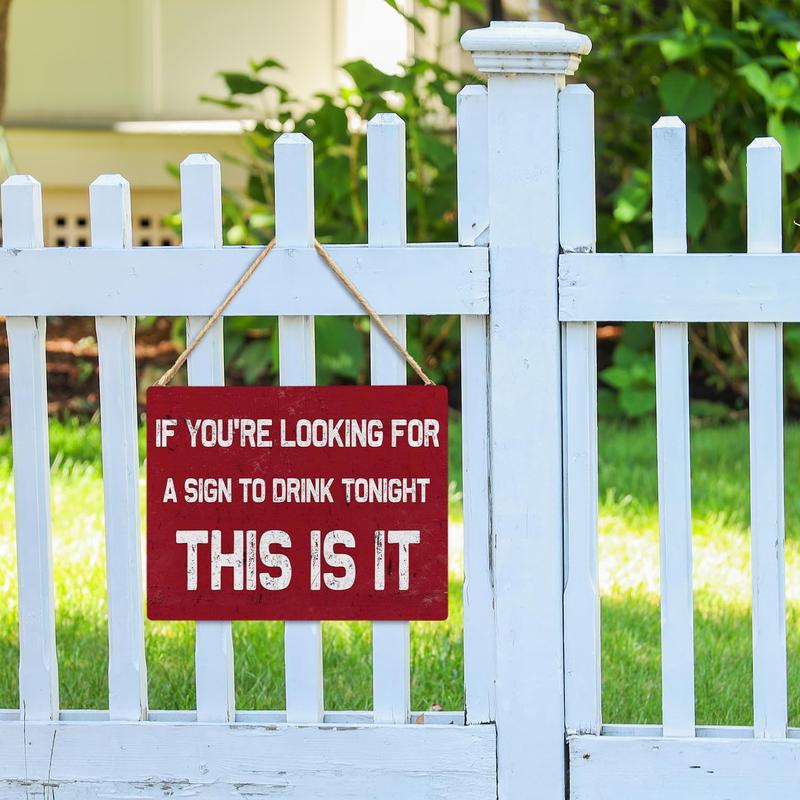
{"x": 526, "y": 64}
{"x": 579, "y": 382}
{"x": 156, "y": 759}
{"x": 473, "y": 222}
{"x": 38, "y": 667}
{"x": 672, "y": 428}
{"x": 294, "y": 226}
{"x": 169, "y": 281}
{"x": 576, "y": 174}
{"x": 472, "y": 129}
{"x": 386, "y": 215}
{"x": 526, "y": 504}
{"x": 699, "y": 287}
{"x": 262, "y": 717}
{"x": 707, "y": 731}
{"x": 110, "y": 204}
{"x": 201, "y": 214}
{"x": 765, "y": 347}
{"x": 603, "y": 767}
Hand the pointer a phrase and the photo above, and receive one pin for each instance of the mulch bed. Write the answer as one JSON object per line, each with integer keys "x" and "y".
{"x": 72, "y": 377}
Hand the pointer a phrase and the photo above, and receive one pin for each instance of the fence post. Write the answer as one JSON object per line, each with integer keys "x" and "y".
{"x": 526, "y": 64}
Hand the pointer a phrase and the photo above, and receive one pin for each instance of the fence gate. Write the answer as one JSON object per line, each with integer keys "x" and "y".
{"x": 677, "y": 759}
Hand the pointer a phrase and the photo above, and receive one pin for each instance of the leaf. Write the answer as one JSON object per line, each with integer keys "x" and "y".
{"x": 242, "y": 83}
{"x": 255, "y": 360}
{"x": 689, "y": 19}
{"x": 686, "y": 96}
{"x": 757, "y": 78}
{"x": 633, "y": 197}
{"x": 618, "y": 377}
{"x": 790, "y": 48}
{"x": 788, "y": 135}
{"x": 676, "y": 49}
{"x": 410, "y": 18}
{"x": 367, "y": 77}
{"x": 340, "y": 349}
{"x": 225, "y": 102}
{"x": 637, "y": 402}
{"x": 267, "y": 63}
{"x": 784, "y": 24}
{"x": 696, "y": 213}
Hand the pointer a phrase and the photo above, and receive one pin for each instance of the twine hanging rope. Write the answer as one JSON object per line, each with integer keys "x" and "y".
{"x": 165, "y": 379}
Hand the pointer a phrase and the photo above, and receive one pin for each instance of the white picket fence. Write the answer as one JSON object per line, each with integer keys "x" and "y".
{"x": 531, "y": 599}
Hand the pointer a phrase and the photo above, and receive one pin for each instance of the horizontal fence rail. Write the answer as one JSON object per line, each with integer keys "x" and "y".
{"x": 180, "y": 281}
{"x": 694, "y": 287}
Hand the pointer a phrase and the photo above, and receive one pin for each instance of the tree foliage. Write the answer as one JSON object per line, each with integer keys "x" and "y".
{"x": 731, "y": 70}
{"x": 423, "y": 94}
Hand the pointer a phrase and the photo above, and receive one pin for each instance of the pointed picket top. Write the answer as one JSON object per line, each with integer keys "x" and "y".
{"x": 22, "y": 212}
{"x": 473, "y": 89}
{"x": 110, "y": 212}
{"x": 201, "y": 201}
{"x": 294, "y": 190}
{"x": 386, "y": 180}
{"x": 764, "y": 201}
{"x": 533, "y": 47}
{"x": 386, "y": 118}
{"x": 764, "y": 141}
{"x": 669, "y": 185}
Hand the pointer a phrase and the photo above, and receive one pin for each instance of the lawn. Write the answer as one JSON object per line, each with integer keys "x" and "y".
{"x": 629, "y": 581}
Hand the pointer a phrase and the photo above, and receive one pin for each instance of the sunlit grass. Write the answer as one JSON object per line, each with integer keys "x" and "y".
{"x": 629, "y": 581}
{"x": 82, "y": 616}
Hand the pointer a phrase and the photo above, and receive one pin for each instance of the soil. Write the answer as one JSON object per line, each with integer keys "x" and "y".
{"x": 72, "y": 376}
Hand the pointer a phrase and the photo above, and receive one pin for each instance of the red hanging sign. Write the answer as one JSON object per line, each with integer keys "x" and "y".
{"x": 297, "y": 503}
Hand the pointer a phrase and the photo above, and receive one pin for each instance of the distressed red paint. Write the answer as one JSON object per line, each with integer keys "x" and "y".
{"x": 215, "y": 473}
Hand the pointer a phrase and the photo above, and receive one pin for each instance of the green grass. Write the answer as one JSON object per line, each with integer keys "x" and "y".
{"x": 629, "y": 582}
{"x": 81, "y": 612}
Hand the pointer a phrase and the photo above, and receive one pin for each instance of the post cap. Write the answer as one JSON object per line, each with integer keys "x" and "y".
{"x": 533, "y": 47}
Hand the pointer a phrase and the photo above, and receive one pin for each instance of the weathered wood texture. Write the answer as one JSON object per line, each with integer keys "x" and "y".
{"x": 648, "y": 768}
{"x": 158, "y": 759}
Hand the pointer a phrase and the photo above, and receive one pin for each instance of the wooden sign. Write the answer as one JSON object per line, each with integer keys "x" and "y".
{"x": 297, "y": 503}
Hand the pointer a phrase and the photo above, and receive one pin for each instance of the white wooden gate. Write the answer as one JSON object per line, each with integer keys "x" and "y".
{"x": 677, "y": 759}
{"x": 531, "y": 611}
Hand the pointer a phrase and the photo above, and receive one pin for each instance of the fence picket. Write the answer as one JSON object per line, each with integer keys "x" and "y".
{"x": 473, "y": 222}
{"x": 110, "y": 204}
{"x": 672, "y": 421}
{"x": 579, "y": 371}
{"x": 386, "y": 215}
{"x": 201, "y": 213}
{"x": 294, "y": 227}
{"x": 765, "y": 346}
{"x": 38, "y": 666}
